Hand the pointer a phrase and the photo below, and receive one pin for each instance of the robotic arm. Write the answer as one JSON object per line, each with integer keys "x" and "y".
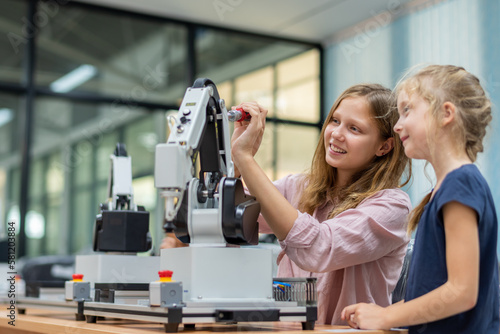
{"x": 211, "y": 208}
{"x": 121, "y": 226}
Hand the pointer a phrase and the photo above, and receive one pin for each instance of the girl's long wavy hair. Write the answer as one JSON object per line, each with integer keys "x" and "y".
{"x": 382, "y": 173}
{"x": 438, "y": 84}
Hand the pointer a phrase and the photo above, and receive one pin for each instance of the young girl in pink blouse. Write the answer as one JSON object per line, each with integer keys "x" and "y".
{"x": 344, "y": 221}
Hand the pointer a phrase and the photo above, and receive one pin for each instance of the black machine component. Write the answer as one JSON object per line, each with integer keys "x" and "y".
{"x": 239, "y": 214}
{"x": 122, "y": 231}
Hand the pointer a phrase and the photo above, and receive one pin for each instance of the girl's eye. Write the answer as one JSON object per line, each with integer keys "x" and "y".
{"x": 354, "y": 128}
{"x": 336, "y": 121}
{"x": 404, "y": 110}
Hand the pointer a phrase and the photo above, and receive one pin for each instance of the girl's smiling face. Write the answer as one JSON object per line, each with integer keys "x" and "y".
{"x": 352, "y": 138}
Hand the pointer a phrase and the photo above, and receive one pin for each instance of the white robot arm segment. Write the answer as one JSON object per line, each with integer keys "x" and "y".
{"x": 193, "y": 204}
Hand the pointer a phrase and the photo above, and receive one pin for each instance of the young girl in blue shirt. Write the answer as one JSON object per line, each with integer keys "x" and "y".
{"x": 453, "y": 282}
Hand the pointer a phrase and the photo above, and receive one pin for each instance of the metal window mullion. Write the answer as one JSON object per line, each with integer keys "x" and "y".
{"x": 28, "y": 81}
{"x": 44, "y": 201}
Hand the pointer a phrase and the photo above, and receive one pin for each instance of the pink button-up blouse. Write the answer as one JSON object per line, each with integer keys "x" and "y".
{"x": 356, "y": 256}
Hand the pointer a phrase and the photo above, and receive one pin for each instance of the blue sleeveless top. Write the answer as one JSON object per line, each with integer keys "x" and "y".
{"x": 428, "y": 269}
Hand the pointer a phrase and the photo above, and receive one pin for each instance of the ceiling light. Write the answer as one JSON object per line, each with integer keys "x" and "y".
{"x": 73, "y": 79}
{"x": 35, "y": 225}
{"x": 6, "y": 115}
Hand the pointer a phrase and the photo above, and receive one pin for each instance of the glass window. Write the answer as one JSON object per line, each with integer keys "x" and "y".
{"x": 82, "y": 222}
{"x": 34, "y": 247}
{"x": 141, "y": 139}
{"x": 14, "y": 32}
{"x": 9, "y": 199}
{"x": 298, "y": 87}
{"x": 145, "y": 195}
{"x": 10, "y": 160}
{"x": 54, "y": 223}
{"x": 265, "y": 155}
{"x": 256, "y": 86}
{"x": 73, "y": 141}
{"x": 296, "y": 69}
{"x": 37, "y": 181}
{"x": 10, "y": 128}
{"x": 54, "y": 243}
{"x": 223, "y": 55}
{"x": 296, "y": 146}
{"x": 80, "y": 162}
{"x": 138, "y": 59}
{"x": 290, "y": 86}
{"x": 35, "y": 219}
{"x": 3, "y": 204}
{"x": 35, "y": 227}
{"x": 13, "y": 194}
{"x": 225, "y": 90}
{"x": 59, "y": 123}
{"x": 299, "y": 102}
{"x": 84, "y": 206}
{"x": 128, "y": 58}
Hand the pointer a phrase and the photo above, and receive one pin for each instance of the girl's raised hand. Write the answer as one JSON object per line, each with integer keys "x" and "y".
{"x": 247, "y": 135}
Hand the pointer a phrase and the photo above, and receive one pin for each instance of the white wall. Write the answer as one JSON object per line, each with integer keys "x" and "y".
{"x": 458, "y": 32}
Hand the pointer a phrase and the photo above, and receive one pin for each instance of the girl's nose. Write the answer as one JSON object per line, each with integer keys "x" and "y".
{"x": 337, "y": 133}
{"x": 397, "y": 126}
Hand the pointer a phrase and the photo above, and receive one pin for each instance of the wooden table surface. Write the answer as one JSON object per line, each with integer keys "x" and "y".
{"x": 51, "y": 322}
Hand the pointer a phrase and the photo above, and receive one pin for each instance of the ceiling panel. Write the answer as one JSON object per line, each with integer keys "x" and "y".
{"x": 316, "y": 21}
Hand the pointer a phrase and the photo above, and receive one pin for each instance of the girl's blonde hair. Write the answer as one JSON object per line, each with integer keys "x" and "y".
{"x": 438, "y": 84}
{"x": 383, "y": 172}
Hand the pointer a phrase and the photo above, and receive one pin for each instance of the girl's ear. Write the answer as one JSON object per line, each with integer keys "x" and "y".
{"x": 448, "y": 111}
{"x": 386, "y": 147}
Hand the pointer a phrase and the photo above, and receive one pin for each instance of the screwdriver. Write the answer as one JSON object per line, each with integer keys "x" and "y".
{"x": 238, "y": 115}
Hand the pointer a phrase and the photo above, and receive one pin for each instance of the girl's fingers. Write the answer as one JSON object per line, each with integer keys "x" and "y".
{"x": 252, "y": 107}
{"x": 348, "y": 314}
{"x": 348, "y": 311}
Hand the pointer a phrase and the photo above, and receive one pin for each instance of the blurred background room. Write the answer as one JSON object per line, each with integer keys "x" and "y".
{"x": 76, "y": 77}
